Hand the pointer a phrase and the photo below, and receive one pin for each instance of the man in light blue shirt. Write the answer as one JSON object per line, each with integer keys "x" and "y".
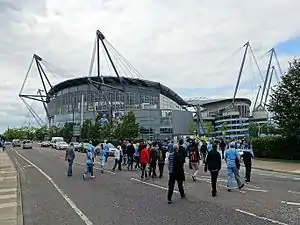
{"x": 106, "y": 149}
{"x": 232, "y": 157}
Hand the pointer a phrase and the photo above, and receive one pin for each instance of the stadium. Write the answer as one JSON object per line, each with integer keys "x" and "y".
{"x": 220, "y": 112}
{"x": 160, "y": 112}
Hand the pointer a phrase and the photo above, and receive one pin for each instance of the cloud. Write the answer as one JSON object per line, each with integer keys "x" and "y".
{"x": 183, "y": 44}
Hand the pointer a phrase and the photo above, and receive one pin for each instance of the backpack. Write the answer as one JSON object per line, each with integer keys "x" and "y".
{"x": 193, "y": 156}
{"x": 154, "y": 154}
{"x": 160, "y": 155}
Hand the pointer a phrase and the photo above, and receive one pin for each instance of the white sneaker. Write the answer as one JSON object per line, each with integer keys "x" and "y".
{"x": 92, "y": 176}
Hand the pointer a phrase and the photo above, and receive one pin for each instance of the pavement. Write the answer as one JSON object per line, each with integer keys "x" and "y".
{"x": 120, "y": 197}
{"x": 284, "y": 167}
{"x": 8, "y": 191}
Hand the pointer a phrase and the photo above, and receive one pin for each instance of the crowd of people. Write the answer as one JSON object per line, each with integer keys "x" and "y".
{"x": 148, "y": 156}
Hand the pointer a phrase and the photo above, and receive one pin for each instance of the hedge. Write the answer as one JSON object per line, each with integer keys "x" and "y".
{"x": 276, "y": 147}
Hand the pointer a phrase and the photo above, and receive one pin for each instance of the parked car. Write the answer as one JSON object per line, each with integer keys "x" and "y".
{"x": 16, "y": 143}
{"x": 27, "y": 144}
{"x": 61, "y": 145}
{"x": 55, "y": 140}
{"x": 111, "y": 147}
{"x": 45, "y": 144}
{"x": 76, "y": 146}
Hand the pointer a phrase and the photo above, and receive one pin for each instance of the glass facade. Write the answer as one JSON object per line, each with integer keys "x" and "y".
{"x": 68, "y": 101}
{"x": 236, "y": 127}
{"x": 153, "y": 111}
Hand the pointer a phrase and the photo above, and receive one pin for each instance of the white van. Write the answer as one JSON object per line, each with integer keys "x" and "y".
{"x": 54, "y": 140}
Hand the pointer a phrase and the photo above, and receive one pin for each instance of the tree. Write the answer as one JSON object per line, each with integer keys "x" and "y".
{"x": 253, "y": 129}
{"x": 13, "y": 133}
{"x": 285, "y": 102}
{"x": 67, "y": 131}
{"x": 87, "y": 130}
{"x": 41, "y": 133}
{"x": 209, "y": 128}
{"x": 224, "y": 128}
{"x": 128, "y": 128}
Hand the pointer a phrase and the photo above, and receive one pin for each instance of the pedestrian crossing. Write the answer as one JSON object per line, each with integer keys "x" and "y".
{"x": 8, "y": 190}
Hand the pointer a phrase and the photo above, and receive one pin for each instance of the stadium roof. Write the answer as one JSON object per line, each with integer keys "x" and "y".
{"x": 111, "y": 80}
{"x": 205, "y": 102}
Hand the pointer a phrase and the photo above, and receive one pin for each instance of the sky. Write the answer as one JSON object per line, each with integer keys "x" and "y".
{"x": 193, "y": 46}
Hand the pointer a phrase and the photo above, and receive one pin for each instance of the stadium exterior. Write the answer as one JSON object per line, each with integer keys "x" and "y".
{"x": 160, "y": 111}
{"x": 220, "y": 112}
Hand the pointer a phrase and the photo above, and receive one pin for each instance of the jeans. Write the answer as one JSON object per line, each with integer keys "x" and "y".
{"x": 137, "y": 161}
{"x": 195, "y": 167}
{"x": 152, "y": 169}
{"x": 70, "y": 167}
{"x": 161, "y": 166}
{"x": 171, "y": 185}
{"x": 130, "y": 162}
{"x": 89, "y": 169}
{"x": 144, "y": 172}
{"x": 230, "y": 172}
{"x": 116, "y": 164}
{"x": 106, "y": 156}
{"x": 124, "y": 159}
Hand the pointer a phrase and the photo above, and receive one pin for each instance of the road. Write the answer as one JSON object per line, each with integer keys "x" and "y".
{"x": 50, "y": 197}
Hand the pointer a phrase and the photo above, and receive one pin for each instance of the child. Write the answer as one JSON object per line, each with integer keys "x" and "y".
{"x": 102, "y": 157}
{"x": 89, "y": 164}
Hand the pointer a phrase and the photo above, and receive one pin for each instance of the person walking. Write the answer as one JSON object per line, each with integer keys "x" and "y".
{"x": 70, "y": 156}
{"x": 106, "y": 149}
{"x": 247, "y": 158}
{"x": 161, "y": 157}
{"x": 137, "y": 156}
{"x": 102, "y": 158}
{"x": 213, "y": 163}
{"x": 232, "y": 159}
{"x": 144, "y": 160}
{"x": 117, "y": 158}
{"x": 203, "y": 151}
{"x": 176, "y": 170}
{"x": 153, "y": 160}
{"x": 222, "y": 147}
{"x": 194, "y": 157}
{"x": 130, "y": 153}
{"x": 89, "y": 164}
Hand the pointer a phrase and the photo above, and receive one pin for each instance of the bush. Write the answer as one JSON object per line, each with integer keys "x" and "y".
{"x": 276, "y": 147}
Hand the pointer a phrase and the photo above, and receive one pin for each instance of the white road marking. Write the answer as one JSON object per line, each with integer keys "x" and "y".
{"x": 294, "y": 192}
{"x": 8, "y": 178}
{"x": 291, "y": 203}
{"x": 8, "y": 205}
{"x": 96, "y": 168}
{"x": 257, "y": 190}
{"x": 7, "y": 172}
{"x": 2, "y": 197}
{"x": 82, "y": 216}
{"x": 8, "y": 190}
{"x": 19, "y": 165}
{"x": 152, "y": 185}
{"x": 260, "y": 217}
{"x": 235, "y": 188}
{"x": 225, "y": 181}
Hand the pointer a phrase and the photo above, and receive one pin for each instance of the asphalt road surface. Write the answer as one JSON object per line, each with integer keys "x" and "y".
{"x": 50, "y": 197}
